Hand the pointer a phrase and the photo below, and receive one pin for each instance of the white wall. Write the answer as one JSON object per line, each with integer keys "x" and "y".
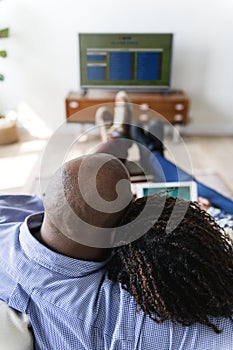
{"x": 42, "y": 64}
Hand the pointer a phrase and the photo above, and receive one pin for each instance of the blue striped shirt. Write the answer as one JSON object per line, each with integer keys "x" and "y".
{"x": 72, "y": 304}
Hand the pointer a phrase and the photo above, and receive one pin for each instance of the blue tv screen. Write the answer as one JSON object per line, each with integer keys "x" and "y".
{"x": 125, "y": 60}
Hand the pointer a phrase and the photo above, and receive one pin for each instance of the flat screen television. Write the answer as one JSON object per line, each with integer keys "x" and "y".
{"x": 130, "y": 61}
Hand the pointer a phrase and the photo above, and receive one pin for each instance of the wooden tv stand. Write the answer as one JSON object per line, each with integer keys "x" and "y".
{"x": 174, "y": 107}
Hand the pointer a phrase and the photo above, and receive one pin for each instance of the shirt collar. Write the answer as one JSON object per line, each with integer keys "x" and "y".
{"x": 49, "y": 259}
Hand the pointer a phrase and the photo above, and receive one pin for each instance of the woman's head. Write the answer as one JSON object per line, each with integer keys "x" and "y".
{"x": 183, "y": 276}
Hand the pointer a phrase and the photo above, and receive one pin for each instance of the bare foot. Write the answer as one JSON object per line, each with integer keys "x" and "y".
{"x": 204, "y": 203}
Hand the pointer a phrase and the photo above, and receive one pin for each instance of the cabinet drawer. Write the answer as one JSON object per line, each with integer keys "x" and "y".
{"x": 174, "y": 108}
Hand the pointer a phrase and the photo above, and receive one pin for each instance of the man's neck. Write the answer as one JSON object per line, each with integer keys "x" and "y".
{"x": 53, "y": 239}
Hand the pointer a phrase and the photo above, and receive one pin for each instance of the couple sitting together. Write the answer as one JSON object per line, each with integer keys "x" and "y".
{"x": 93, "y": 268}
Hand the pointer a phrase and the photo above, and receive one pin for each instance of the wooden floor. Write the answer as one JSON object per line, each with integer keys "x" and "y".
{"x": 19, "y": 163}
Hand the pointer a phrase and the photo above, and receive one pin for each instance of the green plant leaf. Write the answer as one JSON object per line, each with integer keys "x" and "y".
{"x": 1, "y": 77}
{"x": 3, "y": 53}
{"x": 4, "y": 33}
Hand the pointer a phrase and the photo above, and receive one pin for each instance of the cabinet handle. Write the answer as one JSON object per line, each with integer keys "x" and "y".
{"x": 144, "y": 107}
{"x": 73, "y": 104}
{"x": 179, "y": 107}
{"x": 143, "y": 117}
{"x": 178, "y": 117}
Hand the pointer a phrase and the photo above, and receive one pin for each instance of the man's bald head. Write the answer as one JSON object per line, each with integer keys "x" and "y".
{"x": 93, "y": 189}
{"x": 90, "y": 185}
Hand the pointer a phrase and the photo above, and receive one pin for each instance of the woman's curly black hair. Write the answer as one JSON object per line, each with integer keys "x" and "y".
{"x": 185, "y": 275}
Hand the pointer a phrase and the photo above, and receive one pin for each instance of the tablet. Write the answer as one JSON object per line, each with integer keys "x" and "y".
{"x": 186, "y": 190}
